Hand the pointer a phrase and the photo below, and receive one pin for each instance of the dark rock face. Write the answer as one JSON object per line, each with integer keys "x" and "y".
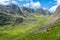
{"x": 6, "y": 12}
{"x": 19, "y": 20}
{"x": 29, "y": 10}
{"x": 4, "y": 19}
{"x": 10, "y": 9}
{"x": 47, "y": 12}
{"x": 58, "y": 10}
{"x": 40, "y": 11}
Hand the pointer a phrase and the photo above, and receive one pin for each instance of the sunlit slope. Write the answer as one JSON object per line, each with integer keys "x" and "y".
{"x": 20, "y": 33}
{"x": 17, "y": 32}
{"x": 52, "y": 34}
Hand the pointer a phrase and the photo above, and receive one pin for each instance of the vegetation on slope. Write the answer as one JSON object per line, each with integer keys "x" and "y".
{"x": 24, "y": 22}
{"x": 53, "y": 34}
{"x": 22, "y": 34}
{"x": 17, "y": 32}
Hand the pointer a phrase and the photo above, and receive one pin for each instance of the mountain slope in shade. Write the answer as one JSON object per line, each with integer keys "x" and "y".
{"x": 14, "y": 9}
{"x": 38, "y": 11}
{"x": 8, "y": 13}
{"x": 47, "y": 12}
{"x": 39, "y": 26}
{"x": 10, "y": 9}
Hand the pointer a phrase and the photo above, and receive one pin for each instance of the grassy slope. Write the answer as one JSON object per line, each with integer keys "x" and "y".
{"x": 19, "y": 31}
{"x": 53, "y": 34}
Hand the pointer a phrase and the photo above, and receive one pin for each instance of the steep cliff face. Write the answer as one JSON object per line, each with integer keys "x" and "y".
{"x": 13, "y": 13}
{"x": 58, "y": 11}
{"x": 38, "y": 11}
{"x": 9, "y": 13}
{"x": 10, "y": 9}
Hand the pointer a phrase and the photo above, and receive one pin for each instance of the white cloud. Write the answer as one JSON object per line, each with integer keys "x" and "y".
{"x": 33, "y": 4}
{"x": 4, "y": 2}
{"x": 29, "y": 3}
{"x": 7, "y": 2}
{"x": 53, "y": 8}
{"x": 58, "y": 2}
{"x": 14, "y": 2}
{"x": 26, "y": 5}
{"x": 45, "y": 8}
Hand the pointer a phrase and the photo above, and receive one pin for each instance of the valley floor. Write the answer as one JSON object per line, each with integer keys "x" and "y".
{"x": 22, "y": 32}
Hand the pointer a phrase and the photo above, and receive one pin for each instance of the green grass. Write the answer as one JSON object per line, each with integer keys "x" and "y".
{"x": 21, "y": 31}
{"x": 53, "y": 34}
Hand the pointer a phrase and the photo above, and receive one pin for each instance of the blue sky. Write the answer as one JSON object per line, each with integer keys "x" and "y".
{"x": 45, "y": 4}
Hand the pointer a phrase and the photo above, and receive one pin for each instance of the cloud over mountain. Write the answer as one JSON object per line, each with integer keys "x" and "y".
{"x": 4, "y": 2}
{"x": 33, "y": 4}
{"x": 53, "y": 8}
{"x": 29, "y": 3}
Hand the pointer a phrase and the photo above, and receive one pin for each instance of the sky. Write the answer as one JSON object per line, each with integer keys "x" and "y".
{"x": 50, "y": 5}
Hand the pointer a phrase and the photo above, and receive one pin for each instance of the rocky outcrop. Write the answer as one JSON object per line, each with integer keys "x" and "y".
{"x": 58, "y": 11}
{"x": 4, "y": 19}
{"x": 19, "y": 20}
{"x": 38, "y": 11}
{"x": 10, "y": 9}
{"x": 8, "y": 12}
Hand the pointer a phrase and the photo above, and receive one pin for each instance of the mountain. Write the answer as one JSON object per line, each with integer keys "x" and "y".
{"x": 9, "y": 14}
{"x": 29, "y": 10}
{"x": 23, "y": 23}
{"x": 12, "y": 13}
{"x": 38, "y": 11}
{"x": 10, "y": 9}
{"x": 47, "y": 12}
{"x": 58, "y": 11}
{"x": 4, "y": 19}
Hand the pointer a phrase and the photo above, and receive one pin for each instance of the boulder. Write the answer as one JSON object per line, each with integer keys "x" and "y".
{"x": 19, "y": 20}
